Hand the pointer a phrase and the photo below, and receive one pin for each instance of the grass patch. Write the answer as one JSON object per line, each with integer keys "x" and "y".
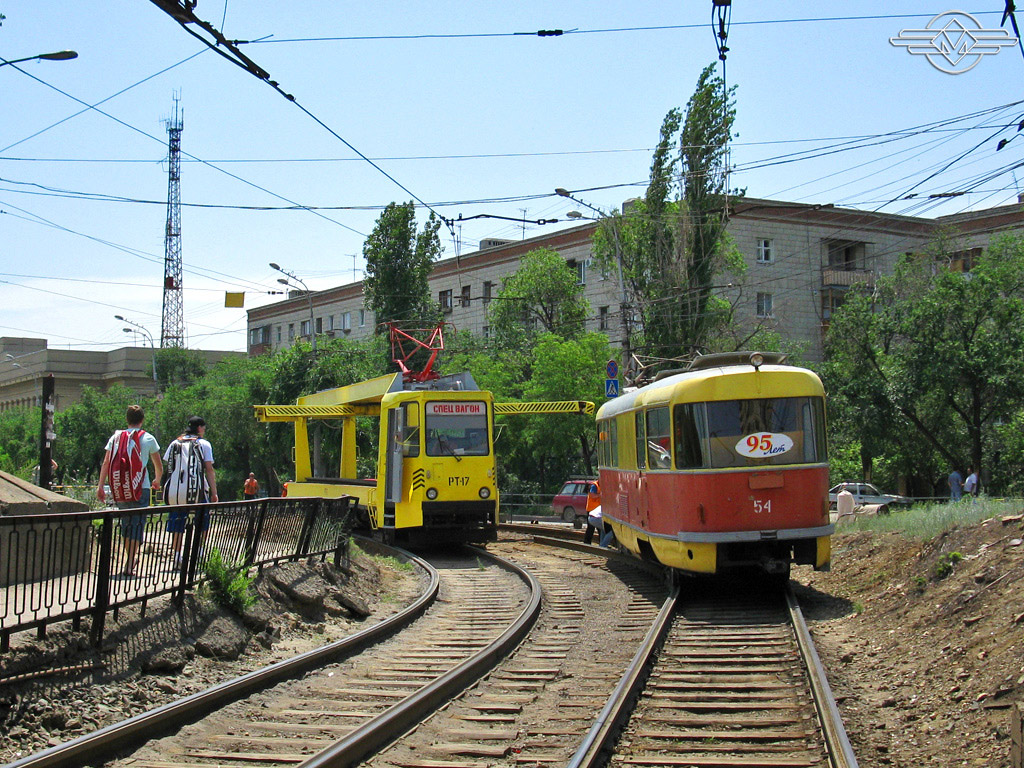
{"x": 927, "y": 520}
{"x": 228, "y": 585}
{"x": 945, "y": 564}
{"x": 393, "y": 562}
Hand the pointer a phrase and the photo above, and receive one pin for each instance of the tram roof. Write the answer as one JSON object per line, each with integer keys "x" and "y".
{"x": 723, "y": 382}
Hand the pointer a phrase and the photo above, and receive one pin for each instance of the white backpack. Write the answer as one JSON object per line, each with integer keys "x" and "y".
{"x": 186, "y": 475}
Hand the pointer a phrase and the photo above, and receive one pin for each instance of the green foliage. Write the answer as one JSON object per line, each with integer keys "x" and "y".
{"x": 177, "y": 366}
{"x": 398, "y": 264}
{"x": 926, "y": 521}
{"x": 944, "y": 565}
{"x": 672, "y": 243}
{"x": 228, "y": 584}
{"x": 19, "y": 441}
{"x": 542, "y": 296}
{"x": 924, "y": 368}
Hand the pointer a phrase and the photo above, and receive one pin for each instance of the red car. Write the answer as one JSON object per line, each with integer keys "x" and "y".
{"x": 570, "y": 503}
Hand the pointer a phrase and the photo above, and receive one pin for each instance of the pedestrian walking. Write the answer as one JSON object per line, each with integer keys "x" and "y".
{"x": 125, "y": 463}
{"x": 190, "y": 480}
{"x": 251, "y": 487}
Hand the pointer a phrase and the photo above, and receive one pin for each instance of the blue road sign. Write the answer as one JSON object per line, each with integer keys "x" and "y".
{"x": 611, "y": 387}
{"x": 612, "y": 369}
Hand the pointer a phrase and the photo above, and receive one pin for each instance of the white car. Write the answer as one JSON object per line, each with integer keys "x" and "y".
{"x": 865, "y": 493}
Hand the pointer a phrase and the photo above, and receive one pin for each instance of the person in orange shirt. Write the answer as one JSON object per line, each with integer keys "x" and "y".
{"x": 593, "y": 503}
{"x": 251, "y": 487}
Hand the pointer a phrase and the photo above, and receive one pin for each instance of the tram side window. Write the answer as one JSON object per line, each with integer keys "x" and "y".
{"x": 690, "y": 424}
{"x": 411, "y": 434}
{"x": 659, "y": 455}
{"x": 607, "y": 444}
{"x": 641, "y": 447}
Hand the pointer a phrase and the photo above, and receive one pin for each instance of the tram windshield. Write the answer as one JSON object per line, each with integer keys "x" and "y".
{"x": 456, "y": 428}
{"x": 741, "y": 433}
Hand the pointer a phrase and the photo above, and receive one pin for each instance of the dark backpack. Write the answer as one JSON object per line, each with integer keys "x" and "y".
{"x": 127, "y": 465}
{"x": 186, "y": 474}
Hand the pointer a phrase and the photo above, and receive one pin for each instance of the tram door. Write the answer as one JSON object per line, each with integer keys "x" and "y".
{"x": 393, "y": 457}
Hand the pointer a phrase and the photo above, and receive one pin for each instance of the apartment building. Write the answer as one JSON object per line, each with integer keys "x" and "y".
{"x": 801, "y": 260}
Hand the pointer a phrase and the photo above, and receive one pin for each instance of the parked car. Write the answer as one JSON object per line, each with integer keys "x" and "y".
{"x": 866, "y": 493}
{"x": 570, "y": 503}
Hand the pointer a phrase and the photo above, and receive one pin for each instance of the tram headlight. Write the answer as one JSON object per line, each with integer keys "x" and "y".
{"x": 431, "y": 493}
{"x": 485, "y": 493}
{"x": 757, "y": 360}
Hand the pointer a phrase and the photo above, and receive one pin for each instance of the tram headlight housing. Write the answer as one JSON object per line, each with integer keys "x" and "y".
{"x": 431, "y": 493}
{"x": 757, "y": 360}
{"x": 485, "y": 493}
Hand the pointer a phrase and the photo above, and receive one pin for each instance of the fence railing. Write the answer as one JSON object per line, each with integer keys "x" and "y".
{"x": 63, "y": 567}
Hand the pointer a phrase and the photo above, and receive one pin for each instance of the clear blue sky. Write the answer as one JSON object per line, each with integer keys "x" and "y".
{"x": 454, "y": 106}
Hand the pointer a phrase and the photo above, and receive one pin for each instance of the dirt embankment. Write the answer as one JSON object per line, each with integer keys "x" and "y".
{"x": 924, "y": 642}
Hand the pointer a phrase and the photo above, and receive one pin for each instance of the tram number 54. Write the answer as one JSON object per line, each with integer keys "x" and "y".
{"x": 762, "y": 506}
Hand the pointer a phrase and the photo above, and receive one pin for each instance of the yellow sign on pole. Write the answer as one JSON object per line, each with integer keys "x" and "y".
{"x": 234, "y": 299}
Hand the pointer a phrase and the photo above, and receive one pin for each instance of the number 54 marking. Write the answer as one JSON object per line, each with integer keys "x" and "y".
{"x": 762, "y": 507}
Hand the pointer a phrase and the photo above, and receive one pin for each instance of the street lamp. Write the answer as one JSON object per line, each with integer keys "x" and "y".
{"x": 309, "y": 296}
{"x": 136, "y": 328}
{"x": 58, "y": 56}
{"x": 624, "y": 304}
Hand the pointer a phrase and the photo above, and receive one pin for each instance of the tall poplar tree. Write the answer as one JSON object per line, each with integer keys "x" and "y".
{"x": 398, "y": 264}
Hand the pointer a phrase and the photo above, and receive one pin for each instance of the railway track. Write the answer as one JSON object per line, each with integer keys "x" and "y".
{"x": 474, "y": 610}
{"x": 722, "y": 678}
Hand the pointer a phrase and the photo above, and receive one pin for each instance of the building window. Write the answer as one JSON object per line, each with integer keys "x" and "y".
{"x": 831, "y": 300}
{"x": 580, "y": 268}
{"x": 764, "y": 251}
{"x": 464, "y": 298}
{"x": 304, "y": 328}
{"x": 345, "y": 321}
{"x": 444, "y": 298}
{"x": 845, "y": 254}
{"x": 291, "y": 331}
{"x": 279, "y": 334}
{"x": 487, "y": 332}
{"x": 362, "y": 317}
{"x": 319, "y": 325}
{"x": 602, "y": 318}
{"x": 260, "y": 335}
{"x": 488, "y": 287}
{"x": 764, "y": 305}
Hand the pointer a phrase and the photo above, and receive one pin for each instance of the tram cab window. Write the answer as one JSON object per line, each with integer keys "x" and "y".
{"x": 784, "y": 430}
{"x": 659, "y": 455}
{"x": 690, "y": 425}
{"x": 456, "y": 428}
{"x": 411, "y": 433}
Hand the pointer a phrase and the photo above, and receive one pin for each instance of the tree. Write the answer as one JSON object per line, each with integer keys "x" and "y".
{"x": 671, "y": 244}
{"x": 398, "y": 264}
{"x": 935, "y": 349}
{"x": 542, "y": 296}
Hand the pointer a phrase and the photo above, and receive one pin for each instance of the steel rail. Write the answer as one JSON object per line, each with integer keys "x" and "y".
{"x": 836, "y": 741}
{"x": 148, "y": 725}
{"x": 389, "y": 725}
{"x": 617, "y": 709}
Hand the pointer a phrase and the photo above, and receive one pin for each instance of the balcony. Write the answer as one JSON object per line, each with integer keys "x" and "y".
{"x": 847, "y": 277}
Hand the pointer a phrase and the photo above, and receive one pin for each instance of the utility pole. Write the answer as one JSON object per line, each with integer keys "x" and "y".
{"x": 172, "y": 327}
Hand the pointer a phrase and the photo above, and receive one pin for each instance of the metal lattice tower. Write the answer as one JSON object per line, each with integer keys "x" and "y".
{"x": 172, "y": 328}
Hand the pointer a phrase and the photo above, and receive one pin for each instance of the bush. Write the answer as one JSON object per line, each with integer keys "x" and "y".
{"x": 229, "y": 585}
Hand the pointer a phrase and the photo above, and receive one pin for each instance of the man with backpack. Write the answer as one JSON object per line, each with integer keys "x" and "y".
{"x": 125, "y": 462}
{"x": 190, "y": 480}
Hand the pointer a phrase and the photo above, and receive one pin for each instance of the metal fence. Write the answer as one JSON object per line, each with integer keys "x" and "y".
{"x": 63, "y": 567}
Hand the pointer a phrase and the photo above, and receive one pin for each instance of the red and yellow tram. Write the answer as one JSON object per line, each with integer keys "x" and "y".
{"x": 719, "y": 467}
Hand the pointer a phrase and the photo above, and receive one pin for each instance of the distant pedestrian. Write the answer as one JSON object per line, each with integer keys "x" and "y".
{"x": 125, "y": 462}
{"x": 251, "y": 487}
{"x": 190, "y": 480}
{"x": 844, "y": 502}
{"x": 956, "y": 486}
{"x": 971, "y": 487}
